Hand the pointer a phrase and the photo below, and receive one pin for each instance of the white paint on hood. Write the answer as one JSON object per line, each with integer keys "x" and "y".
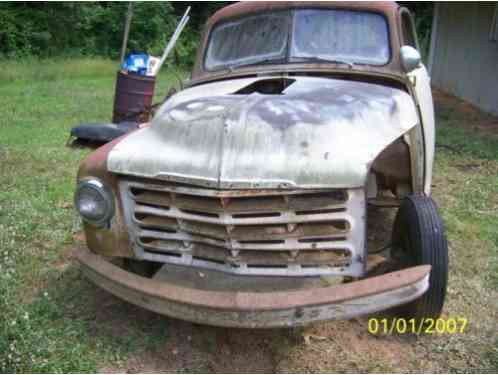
{"x": 319, "y": 133}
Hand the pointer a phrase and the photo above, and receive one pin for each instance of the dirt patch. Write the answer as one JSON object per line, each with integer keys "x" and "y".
{"x": 344, "y": 346}
{"x": 183, "y": 347}
{"x": 464, "y": 114}
{"x": 329, "y": 347}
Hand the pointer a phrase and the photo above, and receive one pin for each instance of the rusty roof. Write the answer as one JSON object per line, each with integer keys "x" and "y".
{"x": 244, "y": 7}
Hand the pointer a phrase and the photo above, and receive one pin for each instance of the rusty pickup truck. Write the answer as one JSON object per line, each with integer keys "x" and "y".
{"x": 245, "y": 201}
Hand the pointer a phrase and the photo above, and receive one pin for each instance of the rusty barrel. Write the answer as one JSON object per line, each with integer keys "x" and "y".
{"x": 133, "y": 97}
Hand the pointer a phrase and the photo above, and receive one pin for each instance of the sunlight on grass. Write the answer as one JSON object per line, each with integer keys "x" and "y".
{"x": 33, "y": 69}
{"x": 41, "y": 101}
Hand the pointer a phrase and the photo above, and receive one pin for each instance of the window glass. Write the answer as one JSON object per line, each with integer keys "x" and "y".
{"x": 409, "y": 37}
{"x": 350, "y": 36}
{"x": 248, "y": 40}
{"x": 358, "y": 37}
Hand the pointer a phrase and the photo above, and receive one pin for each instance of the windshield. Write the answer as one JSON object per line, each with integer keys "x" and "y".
{"x": 249, "y": 40}
{"x": 329, "y": 34}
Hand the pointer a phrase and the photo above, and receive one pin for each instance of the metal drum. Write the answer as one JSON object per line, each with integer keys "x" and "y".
{"x": 133, "y": 97}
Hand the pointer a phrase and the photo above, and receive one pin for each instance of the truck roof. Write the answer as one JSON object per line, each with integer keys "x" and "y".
{"x": 245, "y": 7}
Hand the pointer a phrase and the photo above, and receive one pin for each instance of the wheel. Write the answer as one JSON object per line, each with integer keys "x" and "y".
{"x": 419, "y": 238}
{"x": 140, "y": 267}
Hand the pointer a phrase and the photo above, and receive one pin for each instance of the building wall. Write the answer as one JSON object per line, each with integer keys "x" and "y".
{"x": 465, "y": 59}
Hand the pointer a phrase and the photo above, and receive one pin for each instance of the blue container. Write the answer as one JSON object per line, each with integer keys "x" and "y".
{"x": 136, "y": 63}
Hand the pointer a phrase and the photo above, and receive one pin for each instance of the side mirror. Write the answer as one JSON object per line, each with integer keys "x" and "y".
{"x": 410, "y": 58}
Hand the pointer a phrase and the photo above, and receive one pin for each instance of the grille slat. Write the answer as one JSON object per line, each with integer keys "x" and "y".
{"x": 293, "y": 233}
{"x": 227, "y": 219}
{"x": 245, "y": 233}
{"x": 290, "y": 244}
{"x": 251, "y": 259}
{"x": 153, "y": 197}
{"x": 241, "y": 205}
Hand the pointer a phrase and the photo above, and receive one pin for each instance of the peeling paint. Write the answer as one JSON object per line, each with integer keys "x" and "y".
{"x": 207, "y": 135}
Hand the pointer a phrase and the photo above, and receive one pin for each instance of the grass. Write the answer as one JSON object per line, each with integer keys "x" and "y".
{"x": 466, "y": 188}
{"x": 53, "y": 320}
{"x": 41, "y": 101}
{"x": 469, "y": 173}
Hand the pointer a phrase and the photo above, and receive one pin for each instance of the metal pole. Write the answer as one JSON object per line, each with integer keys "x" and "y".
{"x": 126, "y": 31}
{"x": 179, "y": 28}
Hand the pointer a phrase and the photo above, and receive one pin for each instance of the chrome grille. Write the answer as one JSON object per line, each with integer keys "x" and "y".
{"x": 259, "y": 232}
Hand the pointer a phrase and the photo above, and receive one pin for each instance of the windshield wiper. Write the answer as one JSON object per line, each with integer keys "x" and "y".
{"x": 232, "y": 67}
{"x": 321, "y": 59}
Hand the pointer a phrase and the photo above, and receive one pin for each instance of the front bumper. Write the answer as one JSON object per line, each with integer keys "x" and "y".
{"x": 254, "y": 309}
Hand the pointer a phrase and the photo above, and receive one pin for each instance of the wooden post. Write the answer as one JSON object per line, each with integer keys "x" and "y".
{"x": 126, "y": 31}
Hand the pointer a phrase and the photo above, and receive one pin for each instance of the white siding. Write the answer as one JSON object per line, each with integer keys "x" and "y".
{"x": 465, "y": 58}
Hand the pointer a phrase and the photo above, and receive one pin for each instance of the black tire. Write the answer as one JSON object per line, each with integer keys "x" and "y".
{"x": 419, "y": 238}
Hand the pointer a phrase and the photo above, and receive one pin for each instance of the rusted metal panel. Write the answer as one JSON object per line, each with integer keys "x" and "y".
{"x": 113, "y": 241}
{"x": 265, "y": 309}
{"x": 319, "y": 133}
{"x": 393, "y": 165}
{"x": 133, "y": 97}
{"x": 394, "y": 161}
{"x": 247, "y": 204}
{"x": 246, "y": 232}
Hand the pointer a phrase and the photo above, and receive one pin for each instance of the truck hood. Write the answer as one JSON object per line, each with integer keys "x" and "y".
{"x": 315, "y": 133}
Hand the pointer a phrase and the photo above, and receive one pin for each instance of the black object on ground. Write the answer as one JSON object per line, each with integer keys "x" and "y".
{"x": 132, "y": 106}
{"x": 102, "y": 132}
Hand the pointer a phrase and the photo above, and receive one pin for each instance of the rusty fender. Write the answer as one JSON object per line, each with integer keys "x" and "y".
{"x": 258, "y": 310}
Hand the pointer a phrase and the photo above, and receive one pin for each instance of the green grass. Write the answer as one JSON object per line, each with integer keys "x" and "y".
{"x": 53, "y": 320}
{"x": 468, "y": 164}
{"x": 466, "y": 186}
{"x": 41, "y": 101}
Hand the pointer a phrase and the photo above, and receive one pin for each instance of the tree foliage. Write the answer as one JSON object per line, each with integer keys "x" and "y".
{"x": 46, "y": 29}
{"x": 50, "y": 29}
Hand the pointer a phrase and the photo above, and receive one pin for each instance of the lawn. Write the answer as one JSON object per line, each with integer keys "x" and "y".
{"x": 53, "y": 320}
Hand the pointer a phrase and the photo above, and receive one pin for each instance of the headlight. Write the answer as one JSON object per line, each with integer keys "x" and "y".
{"x": 94, "y": 202}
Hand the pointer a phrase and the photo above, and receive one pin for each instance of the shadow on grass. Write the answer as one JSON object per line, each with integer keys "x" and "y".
{"x": 464, "y": 129}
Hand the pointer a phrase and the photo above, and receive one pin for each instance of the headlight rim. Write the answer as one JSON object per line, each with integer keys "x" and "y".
{"x": 105, "y": 193}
